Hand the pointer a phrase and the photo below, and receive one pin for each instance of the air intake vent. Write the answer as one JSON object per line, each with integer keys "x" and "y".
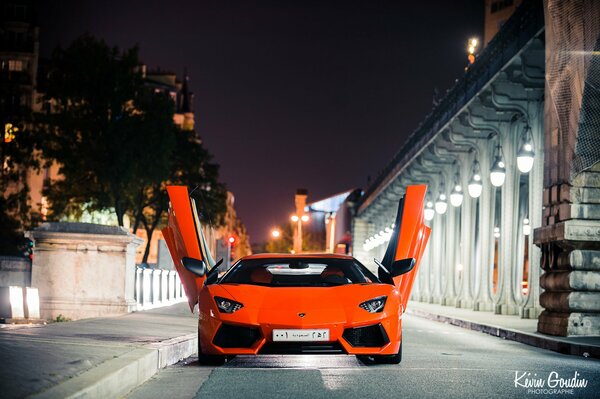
{"x": 230, "y": 336}
{"x": 370, "y": 336}
{"x": 278, "y": 348}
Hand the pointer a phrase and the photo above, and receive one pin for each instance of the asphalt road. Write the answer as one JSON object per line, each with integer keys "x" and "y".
{"x": 439, "y": 360}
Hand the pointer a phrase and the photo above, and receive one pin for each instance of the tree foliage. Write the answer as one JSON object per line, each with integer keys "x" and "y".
{"x": 115, "y": 140}
{"x": 16, "y": 160}
{"x": 311, "y": 241}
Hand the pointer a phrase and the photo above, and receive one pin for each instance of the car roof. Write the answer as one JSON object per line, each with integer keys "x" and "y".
{"x": 297, "y": 256}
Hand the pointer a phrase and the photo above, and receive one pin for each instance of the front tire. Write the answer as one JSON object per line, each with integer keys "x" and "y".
{"x": 212, "y": 360}
{"x": 389, "y": 359}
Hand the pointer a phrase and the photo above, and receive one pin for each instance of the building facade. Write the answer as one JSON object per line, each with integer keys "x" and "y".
{"x": 484, "y": 153}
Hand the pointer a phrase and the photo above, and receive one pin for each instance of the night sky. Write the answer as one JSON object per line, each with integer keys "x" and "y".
{"x": 312, "y": 94}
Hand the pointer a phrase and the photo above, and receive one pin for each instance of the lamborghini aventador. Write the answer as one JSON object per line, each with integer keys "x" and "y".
{"x": 303, "y": 303}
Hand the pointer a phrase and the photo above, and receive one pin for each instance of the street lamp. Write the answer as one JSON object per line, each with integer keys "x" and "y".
{"x": 456, "y": 196}
{"x": 498, "y": 169}
{"x": 472, "y": 49}
{"x": 428, "y": 213}
{"x": 525, "y": 154}
{"x": 526, "y": 227}
{"x": 303, "y": 218}
{"x": 441, "y": 205}
{"x": 275, "y": 233}
{"x": 475, "y": 187}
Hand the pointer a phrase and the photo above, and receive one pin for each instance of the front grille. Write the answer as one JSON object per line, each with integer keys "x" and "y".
{"x": 230, "y": 336}
{"x": 295, "y": 348}
{"x": 370, "y": 336}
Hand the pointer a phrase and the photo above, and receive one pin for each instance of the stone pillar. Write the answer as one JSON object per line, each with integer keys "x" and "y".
{"x": 570, "y": 242}
{"x": 146, "y": 288}
{"x": 83, "y": 270}
{"x": 570, "y": 232}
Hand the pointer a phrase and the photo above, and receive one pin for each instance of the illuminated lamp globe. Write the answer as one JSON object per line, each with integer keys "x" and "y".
{"x": 526, "y": 227}
{"x": 525, "y": 157}
{"x": 475, "y": 187}
{"x": 441, "y": 205}
{"x": 498, "y": 172}
{"x": 429, "y": 213}
{"x": 456, "y": 197}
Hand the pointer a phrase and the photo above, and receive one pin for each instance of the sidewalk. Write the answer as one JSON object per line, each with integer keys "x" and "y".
{"x": 100, "y": 357}
{"x": 507, "y": 327}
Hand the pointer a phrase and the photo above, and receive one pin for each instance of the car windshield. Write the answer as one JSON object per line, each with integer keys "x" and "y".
{"x": 298, "y": 272}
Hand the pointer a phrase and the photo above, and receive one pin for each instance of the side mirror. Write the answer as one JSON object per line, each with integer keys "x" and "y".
{"x": 402, "y": 266}
{"x": 196, "y": 266}
{"x": 213, "y": 275}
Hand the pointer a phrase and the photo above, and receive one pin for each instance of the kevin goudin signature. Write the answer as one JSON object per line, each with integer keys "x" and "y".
{"x": 553, "y": 384}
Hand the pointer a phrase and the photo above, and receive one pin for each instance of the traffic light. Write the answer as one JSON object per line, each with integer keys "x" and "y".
{"x": 29, "y": 249}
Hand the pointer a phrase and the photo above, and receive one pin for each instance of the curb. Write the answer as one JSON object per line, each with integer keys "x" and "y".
{"x": 117, "y": 377}
{"x": 550, "y": 343}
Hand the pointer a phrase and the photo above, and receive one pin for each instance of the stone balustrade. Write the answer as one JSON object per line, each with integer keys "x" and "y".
{"x": 157, "y": 287}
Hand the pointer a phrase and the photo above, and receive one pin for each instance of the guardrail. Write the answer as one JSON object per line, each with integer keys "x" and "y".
{"x": 155, "y": 288}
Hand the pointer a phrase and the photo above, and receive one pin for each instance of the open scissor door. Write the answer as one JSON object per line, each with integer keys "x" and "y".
{"x": 185, "y": 239}
{"x": 409, "y": 238}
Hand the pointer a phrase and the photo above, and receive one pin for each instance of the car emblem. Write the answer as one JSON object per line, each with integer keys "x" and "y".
{"x": 301, "y": 314}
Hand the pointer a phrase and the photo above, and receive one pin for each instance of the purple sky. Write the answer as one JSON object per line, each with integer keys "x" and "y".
{"x": 315, "y": 94}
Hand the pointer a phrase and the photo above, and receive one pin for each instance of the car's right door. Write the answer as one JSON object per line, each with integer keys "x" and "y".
{"x": 409, "y": 238}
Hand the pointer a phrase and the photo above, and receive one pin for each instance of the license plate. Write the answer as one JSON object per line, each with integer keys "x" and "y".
{"x": 304, "y": 335}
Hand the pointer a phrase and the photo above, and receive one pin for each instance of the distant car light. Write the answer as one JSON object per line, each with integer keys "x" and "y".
{"x": 227, "y": 305}
{"x": 374, "y": 305}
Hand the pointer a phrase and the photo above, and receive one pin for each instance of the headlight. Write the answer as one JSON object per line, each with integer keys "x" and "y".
{"x": 227, "y": 305}
{"x": 374, "y": 305}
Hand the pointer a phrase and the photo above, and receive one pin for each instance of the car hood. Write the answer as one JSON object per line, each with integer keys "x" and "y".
{"x": 280, "y": 305}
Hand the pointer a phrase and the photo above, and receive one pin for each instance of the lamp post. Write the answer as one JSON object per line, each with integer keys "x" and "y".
{"x": 299, "y": 217}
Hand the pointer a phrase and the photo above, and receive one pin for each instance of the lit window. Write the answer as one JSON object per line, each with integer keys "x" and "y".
{"x": 15, "y": 65}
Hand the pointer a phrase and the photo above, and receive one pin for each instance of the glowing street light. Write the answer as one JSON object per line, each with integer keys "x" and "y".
{"x": 472, "y": 49}
{"x": 526, "y": 227}
{"x": 456, "y": 196}
{"x": 429, "y": 213}
{"x": 498, "y": 169}
{"x": 475, "y": 187}
{"x": 304, "y": 218}
{"x": 295, "y": 218}
{"x": 441, "y": 205}
{"x": 275, "y": 233}
{"x": 525, "y": 154}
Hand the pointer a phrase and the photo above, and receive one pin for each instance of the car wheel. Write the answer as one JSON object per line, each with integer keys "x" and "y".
{"x": 213, "y": 360}
{"x": 366, "y": 359}
{"x": 389, "y": 359}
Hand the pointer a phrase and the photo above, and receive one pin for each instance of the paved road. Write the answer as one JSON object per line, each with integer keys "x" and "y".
{"x": 36, "y": 358}
{"x": 439, "y": 360}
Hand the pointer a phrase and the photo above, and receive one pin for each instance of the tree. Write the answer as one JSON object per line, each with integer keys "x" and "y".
{"x": 16, "y": 158}
{"x": 93, "y": 130}
{"x": 311, "y": 241}
{"x": 190, "y": 165}
{"x": 116, "y": 143}
{"x": 285, "y": 242}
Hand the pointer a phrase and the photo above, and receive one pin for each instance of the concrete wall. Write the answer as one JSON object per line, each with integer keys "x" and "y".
{"x": 15, "y": 271}
{"x": 83, "y": 270}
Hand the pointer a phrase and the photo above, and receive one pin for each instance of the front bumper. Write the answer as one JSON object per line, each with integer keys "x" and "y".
{"x": 378, "y": 336}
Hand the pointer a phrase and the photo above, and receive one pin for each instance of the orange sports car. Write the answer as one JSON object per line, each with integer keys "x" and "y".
{"x": 303, "y": 303}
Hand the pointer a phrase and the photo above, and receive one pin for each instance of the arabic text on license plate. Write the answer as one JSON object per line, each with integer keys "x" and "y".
{"x": 300, "y": 335}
